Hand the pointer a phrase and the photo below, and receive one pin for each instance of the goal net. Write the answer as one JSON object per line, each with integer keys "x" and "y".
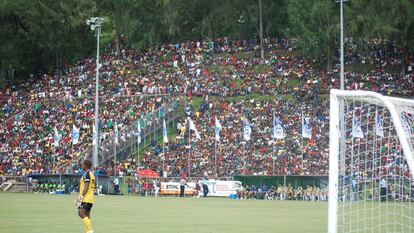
{"x": 371, "y": 188}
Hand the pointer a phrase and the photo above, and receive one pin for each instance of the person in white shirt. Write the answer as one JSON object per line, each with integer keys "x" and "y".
{"x": 182, "y": 187}
{"x": 383, "y": 191}
{"x": 155, "y": 187}
{"x": 116, "y": 185}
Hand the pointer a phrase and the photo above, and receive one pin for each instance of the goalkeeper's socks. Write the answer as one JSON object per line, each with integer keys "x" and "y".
{"x": 87, "y": 224}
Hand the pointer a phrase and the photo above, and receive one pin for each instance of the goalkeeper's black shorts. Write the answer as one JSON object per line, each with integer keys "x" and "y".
{"x": 86, "y": 206}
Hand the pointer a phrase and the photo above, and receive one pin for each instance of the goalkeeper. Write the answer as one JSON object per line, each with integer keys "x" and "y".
{"x": 85, "y": 198}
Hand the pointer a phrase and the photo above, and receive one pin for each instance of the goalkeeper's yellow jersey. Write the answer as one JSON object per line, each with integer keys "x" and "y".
{"x": 88, "y": 176}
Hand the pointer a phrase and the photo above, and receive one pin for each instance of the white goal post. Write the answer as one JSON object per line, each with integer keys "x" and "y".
{"x": 371, "y": 163}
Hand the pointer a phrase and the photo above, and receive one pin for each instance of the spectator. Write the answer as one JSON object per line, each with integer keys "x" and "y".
{"x": 205, "y": 188}
{"x": 116, "y": 185}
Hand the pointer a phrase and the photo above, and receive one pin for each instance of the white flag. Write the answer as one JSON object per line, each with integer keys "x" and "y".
{"x": 56, "y": 137}
{"x": 75, "y": 135}
{"x": 138, "y": 134}
{"x": 138, "y": 131}
{"x": 306, "y": 128}
{"x": 94, "y": 136}
{"x": 356, "y": 128}
{"x": 379, "y": 130}
{"x": 116, "y": 133}
{"x": 278, "y": 131}
{"x": 164, "y": 132}
{"x": 247, "y": 130}
{"x": 192, "y": 127}
{"x": 217, "y": 129}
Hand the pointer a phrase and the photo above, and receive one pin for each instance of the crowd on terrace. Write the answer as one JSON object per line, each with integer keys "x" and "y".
{"x": 222, "y": 78}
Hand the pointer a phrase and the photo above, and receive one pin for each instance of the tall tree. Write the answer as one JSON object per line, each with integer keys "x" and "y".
{"x": 387, "y": 19}
{"x": 316, "y": 25}
{"x": 41, "y": 34}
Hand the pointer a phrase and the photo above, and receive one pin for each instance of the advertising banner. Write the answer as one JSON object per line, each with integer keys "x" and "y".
{"x": 221, "y": 188}
{"x": 216, "y": 188}
{"x": 173, "y": 188}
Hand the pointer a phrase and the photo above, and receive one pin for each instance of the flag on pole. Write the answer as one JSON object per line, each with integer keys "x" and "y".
{"x": 164, "y": 131}
{"x": 193, "y": 127}
{"x": 306, "y": 128}
{"x": 217, "y": 129}
{"x": 56, "y": 137}
{"x": 94, "y": 136}
{"x": 356, "y": 128}
{"x": 75, "y": 135}
{"x": 247, "y": 130}
{"x": 379, "y": 130}
{"x": 116, "y": 133}
{"x": 278, "y": 131}
{"x": 138, "y": 132}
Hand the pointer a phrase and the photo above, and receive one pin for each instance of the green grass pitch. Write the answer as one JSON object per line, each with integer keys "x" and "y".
{"x": 40, "y": 213}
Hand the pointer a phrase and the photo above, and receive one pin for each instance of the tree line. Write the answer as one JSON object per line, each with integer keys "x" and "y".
{"x": 41, "y": 35}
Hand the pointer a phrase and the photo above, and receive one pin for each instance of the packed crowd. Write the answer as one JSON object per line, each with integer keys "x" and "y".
{"x": 233, "y": 83}
{"x": 32, "y": 111}
{"x": 262, "y": 155}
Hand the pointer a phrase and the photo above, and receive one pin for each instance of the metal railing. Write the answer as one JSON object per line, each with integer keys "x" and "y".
{"x": 13, "y": 180}
{"x": 171, "y": 110}
{"x": 130, "y": 145}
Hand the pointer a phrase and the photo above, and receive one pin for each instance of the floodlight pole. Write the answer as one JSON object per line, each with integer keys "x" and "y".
{"x": 96, "y": 148}
{"x": 342, "y": 44}
{"x": 96, "y": 24}
{"x": 342, "y": 87}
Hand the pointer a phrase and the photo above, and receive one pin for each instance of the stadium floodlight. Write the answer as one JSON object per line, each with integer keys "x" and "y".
{"x": 94, "y": 20}
{"x": 95, "y": 24}
{"x": 371, "y": 187}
